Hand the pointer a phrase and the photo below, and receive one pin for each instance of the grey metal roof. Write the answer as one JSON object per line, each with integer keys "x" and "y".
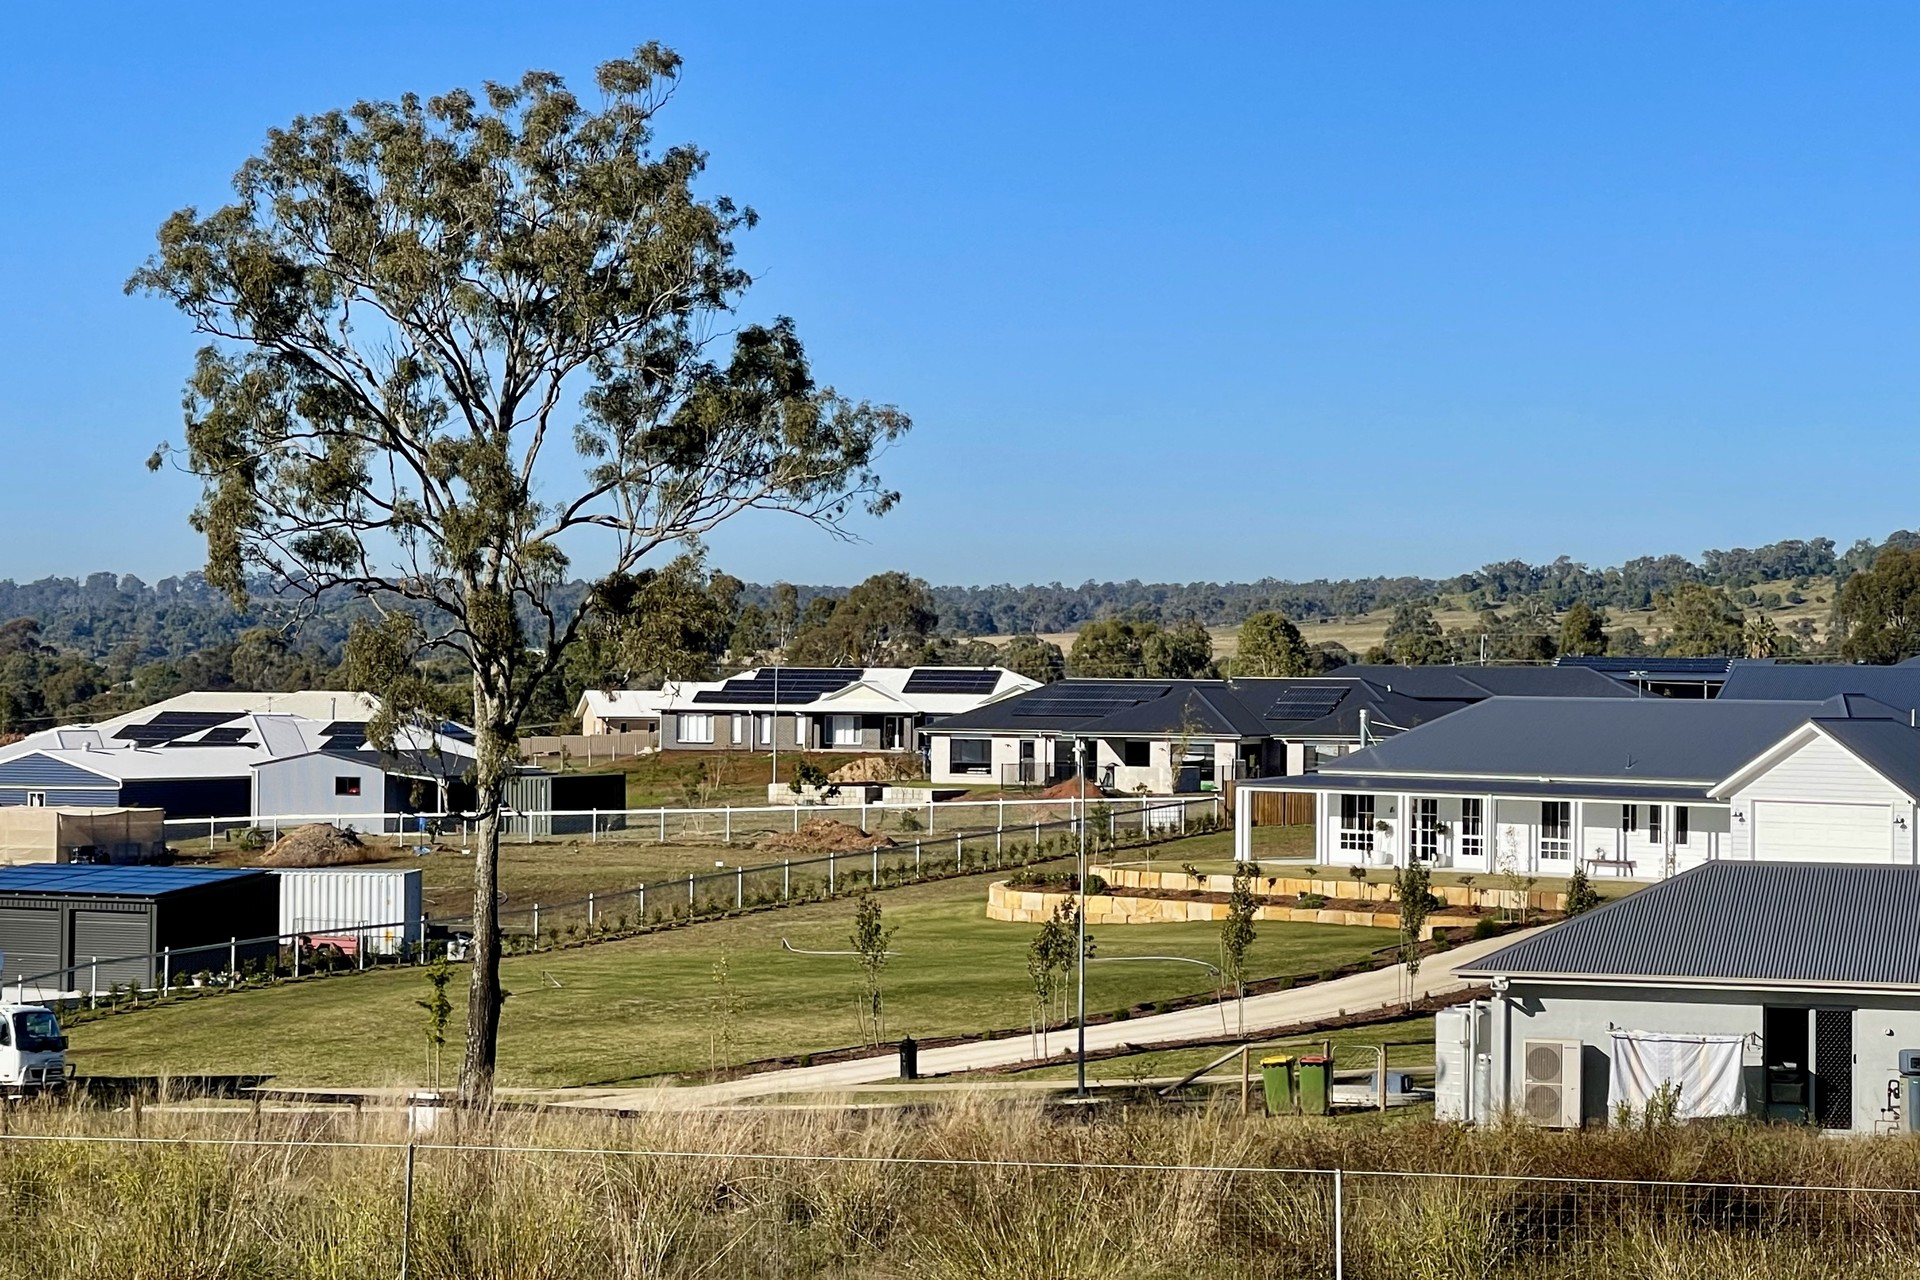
{"x": 1763, "y": 922}
{"x": 1472, "y": 683}
{"x": 1650, "y": 791}
{"x": 1623, "y": 740}
{"x": 1655, "y": 668}
{"x": 1897, "y": 687}
{"x": 1890, "y": 748}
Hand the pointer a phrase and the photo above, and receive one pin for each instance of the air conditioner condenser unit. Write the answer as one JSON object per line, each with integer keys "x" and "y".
{"x": 1550, "y": 1083}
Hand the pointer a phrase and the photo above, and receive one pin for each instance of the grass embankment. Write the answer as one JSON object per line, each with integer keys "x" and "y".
{"x": 963, "y": 1191}
{"x": 623, "y": 1011}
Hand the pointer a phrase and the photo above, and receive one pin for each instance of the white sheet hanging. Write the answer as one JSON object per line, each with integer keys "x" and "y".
{"x": 1705, "y": 1069}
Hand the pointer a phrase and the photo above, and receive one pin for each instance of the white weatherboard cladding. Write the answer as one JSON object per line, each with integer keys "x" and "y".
{"x": 1799, "y": 831}
{"x": 337, "y": 902}
{"x": 1821, "y": 803}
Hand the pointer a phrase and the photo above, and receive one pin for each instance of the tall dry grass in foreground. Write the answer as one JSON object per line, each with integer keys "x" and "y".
{"x": 970, "y": 1189}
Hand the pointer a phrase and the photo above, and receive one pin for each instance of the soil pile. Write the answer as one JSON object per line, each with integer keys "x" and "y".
{"x": 878, "y": 769}
{"x": 1070, "y": 790}
{"x": 318, "y": 844}
{"x": 824, "y": 835}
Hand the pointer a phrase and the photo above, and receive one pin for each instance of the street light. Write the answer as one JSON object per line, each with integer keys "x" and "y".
{"x": 1080, "y": 928}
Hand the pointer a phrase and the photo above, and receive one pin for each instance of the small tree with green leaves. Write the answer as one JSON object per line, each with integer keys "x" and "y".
{"x": 870, "y": 939}
{"x": 439, "y": 1009}
{"x": 1582, "y": 897}
{"x": 1049, "y": 958}
{"x": 724, "y": 1005}
{"x": 1414, "y": 887}
{"x": 1236, "y": 937}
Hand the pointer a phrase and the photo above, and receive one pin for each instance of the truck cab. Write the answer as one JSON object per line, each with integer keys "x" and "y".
{"x": 33, "y": 1050}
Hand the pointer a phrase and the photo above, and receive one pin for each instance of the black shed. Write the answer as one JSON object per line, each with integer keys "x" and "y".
{"x": 96, "y": 927}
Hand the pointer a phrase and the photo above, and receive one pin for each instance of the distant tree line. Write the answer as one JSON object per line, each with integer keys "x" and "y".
{"x": 85, "y": 648}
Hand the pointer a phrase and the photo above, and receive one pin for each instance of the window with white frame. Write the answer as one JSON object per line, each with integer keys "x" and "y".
{"x": 37, "y": 799}
{"x": 763, "y": 727}
{"x": 1629, "y": 818}
{"x": 1679, "y": 824}
{"x": 1356, "y": 823}
{"x": 1472, "y": 841}
{"x": 1556, "y": 829}
{"x": 696, "y": 727}
{"x": 843, "y": 731}
{"x": 1653, "y": 824}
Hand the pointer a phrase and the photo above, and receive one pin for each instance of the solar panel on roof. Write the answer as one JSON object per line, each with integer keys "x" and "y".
{"x": 793, "y": 685}
{"x": 126, "y": 882}
{"x": 1090, "y": 699}
{"x": 952, "y": 680}
{"x": 1305, "y": 704}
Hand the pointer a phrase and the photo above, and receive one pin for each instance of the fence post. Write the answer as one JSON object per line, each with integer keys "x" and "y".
{"x": 596, "y": 828}
{"x": 209, "y": 837}
{"x": 689, "y": 895}
{"x": 589, "y": 911}
{"x": 739, "y": 887}
{"x": 406, "y": 1217}
{"x": 233, "y": 955}
{"x": 663, "y": 825}
{"x": 166, "y": 968}
{"x": 829, "y": 875}
{"x": 876, "y": 866}
{"x": 93, "y": 982}
{"x": 796, "y": 819}
{"x": 959, "y": 856}
{"x": 536, "y": 926}
{"x": 1339, "y": 1229}
{"x": 786, "y": 879}
{"x": 728, "y": 838}
{"x": 359, "y": 951}
{"x": 916, "y": 859}
{"x": 296, "y": 957}
{"x": 929, "y": 808}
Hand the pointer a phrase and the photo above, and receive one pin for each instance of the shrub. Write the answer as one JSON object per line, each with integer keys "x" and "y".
{"x": 1582, "y": 897}
{"x": 1485, "y": 927}
{"x": 1313, "y": 901}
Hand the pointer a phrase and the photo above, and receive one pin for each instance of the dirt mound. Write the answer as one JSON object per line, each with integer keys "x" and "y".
{"x": 1070, "y": 790}
{"x": 318, "y": 844}
{"x": 899, "y": 768}
{"x": 824, "y": 835}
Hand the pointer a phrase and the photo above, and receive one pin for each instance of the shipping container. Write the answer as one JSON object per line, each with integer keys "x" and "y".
{"x": 352, "y": 907}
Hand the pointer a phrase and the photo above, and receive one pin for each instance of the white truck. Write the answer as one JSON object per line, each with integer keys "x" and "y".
{"x": 33, "y": 1050}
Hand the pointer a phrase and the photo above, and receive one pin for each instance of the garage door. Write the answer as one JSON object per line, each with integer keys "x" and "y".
{"x": 1785, "y": 831}
{"x": 110, "y": 937}
{"x": 30, "y": 937}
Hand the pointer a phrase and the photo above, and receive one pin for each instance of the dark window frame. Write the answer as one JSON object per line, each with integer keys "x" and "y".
{"x": 346, "y": 784}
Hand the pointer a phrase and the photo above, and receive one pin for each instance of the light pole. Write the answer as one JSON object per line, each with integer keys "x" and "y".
{"x": 1080, "y": 929}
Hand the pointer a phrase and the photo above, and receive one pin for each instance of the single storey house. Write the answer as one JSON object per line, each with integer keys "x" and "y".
{"x": 866, "y": 709}
{"x": 1640, "y": 788}
{"x": 1166, "y": 736}
{"x": 1784, "y": 991}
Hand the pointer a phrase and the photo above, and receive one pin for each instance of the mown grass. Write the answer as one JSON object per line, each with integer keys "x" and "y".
{"x": 967, "y": 1190}
{"x": 623, "y": 1011}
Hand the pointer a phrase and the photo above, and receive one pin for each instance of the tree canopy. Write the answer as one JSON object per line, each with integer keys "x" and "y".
{"x": 1879, "y": 610}
{"x": 1270, "y": 645}
{"x": 415, "y": 309}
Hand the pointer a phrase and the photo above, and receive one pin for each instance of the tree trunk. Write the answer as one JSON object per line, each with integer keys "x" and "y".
{"x": 492, "y": 742}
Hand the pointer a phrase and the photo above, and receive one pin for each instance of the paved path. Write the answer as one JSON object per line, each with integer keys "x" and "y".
{"x": 1357, "y": 993}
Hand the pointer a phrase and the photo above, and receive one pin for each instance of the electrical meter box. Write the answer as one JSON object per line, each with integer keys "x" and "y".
{"x": 1910, "y": 1062}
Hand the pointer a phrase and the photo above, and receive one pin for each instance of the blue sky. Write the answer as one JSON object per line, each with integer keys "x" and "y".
{"x": 1171, "y": 292}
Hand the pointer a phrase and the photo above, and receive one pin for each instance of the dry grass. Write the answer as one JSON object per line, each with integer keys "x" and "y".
{"x": 965, "y": 1190}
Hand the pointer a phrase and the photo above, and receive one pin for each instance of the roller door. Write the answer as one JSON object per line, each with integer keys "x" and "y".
{"x": 30, "y": 938}
{"x": 1792, "y": 831}
{"x": 111, "y": 936}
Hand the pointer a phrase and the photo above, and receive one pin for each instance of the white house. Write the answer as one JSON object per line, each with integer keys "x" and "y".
{"x": 1787, "y": 991}
{"x": 1640, "y": 788}
{"x": 827, "y": 708}
{"x": 1165, "y": 736}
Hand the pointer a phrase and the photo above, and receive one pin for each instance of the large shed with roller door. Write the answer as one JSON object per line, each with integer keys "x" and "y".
{"x": 97, "y": 927}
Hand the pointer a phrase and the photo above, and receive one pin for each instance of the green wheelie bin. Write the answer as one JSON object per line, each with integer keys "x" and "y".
{"x": 1276, "y": 1079}
{"x": 1316, "y": 1085}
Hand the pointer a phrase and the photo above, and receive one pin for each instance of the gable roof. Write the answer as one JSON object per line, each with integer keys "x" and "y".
{"x": 1887, "y": 745}
{"x": 1897, "y": 687}
{"x": 1476, "y": 682}
{"x": 1623, "y": 740}
{"x": 1742, "y": 922}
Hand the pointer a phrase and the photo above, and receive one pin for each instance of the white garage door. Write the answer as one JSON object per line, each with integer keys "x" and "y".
{"x": 1784, "y": 831}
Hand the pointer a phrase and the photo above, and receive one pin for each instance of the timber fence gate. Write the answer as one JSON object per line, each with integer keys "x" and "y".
{"x": 1023, "y": 837}
{"x": 428, "y": 1206}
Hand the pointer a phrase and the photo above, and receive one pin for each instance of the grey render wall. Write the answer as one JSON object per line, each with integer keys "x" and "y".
{"x": 1882, "y": 1026}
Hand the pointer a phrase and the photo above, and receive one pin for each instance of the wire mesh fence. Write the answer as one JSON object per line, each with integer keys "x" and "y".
{"x": 434, "y": 1207}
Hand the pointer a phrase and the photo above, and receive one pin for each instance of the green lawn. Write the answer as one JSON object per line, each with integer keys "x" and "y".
{"x": 623, "y": 1011}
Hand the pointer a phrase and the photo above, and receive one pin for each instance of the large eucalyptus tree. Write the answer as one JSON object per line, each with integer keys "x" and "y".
{"x": 418, "y": 312}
